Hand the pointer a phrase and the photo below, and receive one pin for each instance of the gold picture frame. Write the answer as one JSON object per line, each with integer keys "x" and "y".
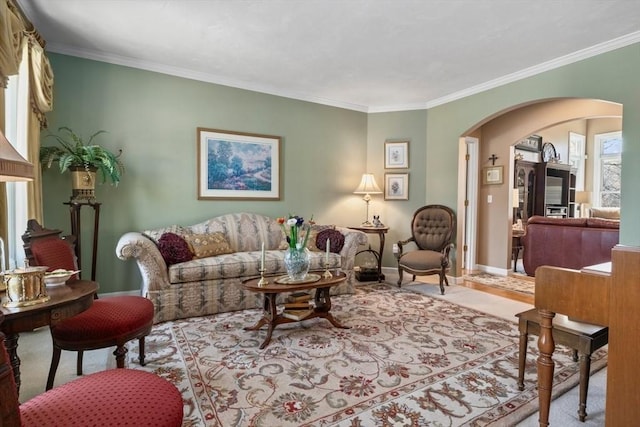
{"x": 396, "y": 155}
{"x": 492, "y": 175}
{"x": 238, "y": 165}
{"x": 396, "y": 186}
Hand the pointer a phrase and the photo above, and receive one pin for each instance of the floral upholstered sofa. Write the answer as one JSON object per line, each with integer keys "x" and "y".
{"x": 211, "y": 282}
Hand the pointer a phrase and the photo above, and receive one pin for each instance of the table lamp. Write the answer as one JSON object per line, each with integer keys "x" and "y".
{"x": 367, "y": 187}
{"x": 582, "y": 198}
{"x": 13, "y": 167}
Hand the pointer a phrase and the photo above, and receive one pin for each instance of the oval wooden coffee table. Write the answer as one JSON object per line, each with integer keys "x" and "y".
{"x": 270, "y": 293}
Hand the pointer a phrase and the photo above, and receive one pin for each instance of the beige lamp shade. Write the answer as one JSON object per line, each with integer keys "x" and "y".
{"x": 368, "y": 185}
{"x": 583, "y": 197}
{"x": 13, "y": 167}
{"x": 515, "y": 198}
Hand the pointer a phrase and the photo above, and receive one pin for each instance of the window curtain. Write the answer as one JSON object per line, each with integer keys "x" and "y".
{"x": 41, "y": 100}
{"x": 17, "y": 35}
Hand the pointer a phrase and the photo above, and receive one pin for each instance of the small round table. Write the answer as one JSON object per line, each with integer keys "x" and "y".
{"x": 270, "y": 293}
{"x": 66, "y": 301}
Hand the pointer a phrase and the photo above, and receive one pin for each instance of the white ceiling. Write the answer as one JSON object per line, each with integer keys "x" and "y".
{"x": 365, "y": 55}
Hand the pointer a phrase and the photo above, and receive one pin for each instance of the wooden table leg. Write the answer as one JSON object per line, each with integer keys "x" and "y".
{"x": 323, "y": 306}
{"x": 522, "y": 354}
{"x": 546, "y": 346}
{"x": 269, "y": 315}
{"x": 11, "y": 344}
{"x": 585, "y": 367}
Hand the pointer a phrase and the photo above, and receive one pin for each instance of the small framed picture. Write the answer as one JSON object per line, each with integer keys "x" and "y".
{"x": 396, "y": 154}
{"x": 492, "y": 175}
{"x": 531, "y": 143}
{"x": 396, "y": 186}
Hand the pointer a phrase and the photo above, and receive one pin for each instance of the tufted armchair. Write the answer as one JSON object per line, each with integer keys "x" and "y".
{"x": 431, "y": 231}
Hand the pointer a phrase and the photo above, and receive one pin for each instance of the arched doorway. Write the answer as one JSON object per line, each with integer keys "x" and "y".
{"x": 497, "y": 135}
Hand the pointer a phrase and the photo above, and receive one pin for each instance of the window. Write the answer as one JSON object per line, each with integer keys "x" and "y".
{"x": 608, "y": 169}
{"x": 16, "y": 112}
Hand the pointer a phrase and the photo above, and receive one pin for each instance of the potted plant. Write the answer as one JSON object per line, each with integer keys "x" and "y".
{"x": 83, "y": 160}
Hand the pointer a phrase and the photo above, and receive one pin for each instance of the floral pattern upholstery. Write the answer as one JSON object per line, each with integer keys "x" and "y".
{"x": 213, "y": 285}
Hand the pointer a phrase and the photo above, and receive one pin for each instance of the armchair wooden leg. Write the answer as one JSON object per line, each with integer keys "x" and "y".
{"x": 55, "y": 360}
{"x": 79, "y": 362}
{"x": 119, "y": 353}
{"x": 400, "y": 273}
{"x": 443, "y": 278}
{"x": 141, "y": 347}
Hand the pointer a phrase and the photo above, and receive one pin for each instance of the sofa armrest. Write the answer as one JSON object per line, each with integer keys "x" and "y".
{"x": 152, "y": 267}
{"x": 352, "y": 241}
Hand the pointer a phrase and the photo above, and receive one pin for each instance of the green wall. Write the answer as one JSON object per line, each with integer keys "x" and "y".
{"x": 611, "y": 76}
{"x": 396, "y": 214}
{"x": 153, "y": 118}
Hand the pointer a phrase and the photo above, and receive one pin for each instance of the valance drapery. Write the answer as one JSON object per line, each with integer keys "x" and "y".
{"x": 12, "y": 29}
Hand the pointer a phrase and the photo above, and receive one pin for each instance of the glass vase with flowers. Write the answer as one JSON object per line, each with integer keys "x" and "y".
{"x": 296, "y": 258}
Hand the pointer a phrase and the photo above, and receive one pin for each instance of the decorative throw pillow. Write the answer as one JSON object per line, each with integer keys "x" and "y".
{"x": 336, "y": 242}
{"x": 206, "y": 245}
{"x": 311, "y": 241}
{"x": 174, "y": 249}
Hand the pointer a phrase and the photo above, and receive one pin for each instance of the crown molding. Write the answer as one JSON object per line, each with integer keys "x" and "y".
{"x": 571, "y": 58}
{"x": 196, "y": 75}
{"x": 580, "y": 55}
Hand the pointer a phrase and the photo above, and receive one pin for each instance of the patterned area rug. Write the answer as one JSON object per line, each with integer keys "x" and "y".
{"x": 408, "y": 360}
{"x": 509, "y": 283}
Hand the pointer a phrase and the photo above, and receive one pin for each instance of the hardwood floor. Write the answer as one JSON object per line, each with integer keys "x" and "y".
{"x": 516, "y": 296}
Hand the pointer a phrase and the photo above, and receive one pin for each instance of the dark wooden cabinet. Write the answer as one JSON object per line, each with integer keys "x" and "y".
{"x": 525, "y": 182}
{"x": 555, "y": 190}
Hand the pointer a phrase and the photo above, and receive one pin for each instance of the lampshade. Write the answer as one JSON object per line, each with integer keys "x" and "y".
{"x": 515, "y": 198}
{"x": 13, "y": 167}
{"x": 583, "y": 197}
{"x": 368, "y": 185}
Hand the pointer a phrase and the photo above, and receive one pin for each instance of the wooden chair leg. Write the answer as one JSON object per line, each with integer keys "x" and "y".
{"x": 55, "y": 360}
{"x": 141, "y": 347}
{"x": 400, "y": 274}
{"x": 119, "y": 353}
{"x": 79, "y": 362}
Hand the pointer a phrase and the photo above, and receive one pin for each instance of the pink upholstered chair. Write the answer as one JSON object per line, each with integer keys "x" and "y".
{"x": 432, "y": 229}
{"x": 108, "y": 322}
{"x": 116, "y": 397}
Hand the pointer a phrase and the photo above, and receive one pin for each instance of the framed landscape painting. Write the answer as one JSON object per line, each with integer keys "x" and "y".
{"x": 238, "y": 166}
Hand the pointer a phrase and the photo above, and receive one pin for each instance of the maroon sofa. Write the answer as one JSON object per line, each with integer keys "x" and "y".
{"x": 568, "y": 242}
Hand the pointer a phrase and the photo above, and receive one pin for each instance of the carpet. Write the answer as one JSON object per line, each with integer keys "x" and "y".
{"x": 408, "y": 360}
{"x": 509, "y": 283}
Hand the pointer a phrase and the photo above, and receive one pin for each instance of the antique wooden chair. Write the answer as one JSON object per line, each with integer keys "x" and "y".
{"x": 432, "y": 229}
{"x": 108, "y": 322}
{"x": 115, "y": 397}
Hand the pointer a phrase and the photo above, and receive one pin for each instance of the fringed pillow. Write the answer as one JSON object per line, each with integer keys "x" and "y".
{"x": 336, "y": 242}
{"x": 210, "y": 244}
{"x": 174, "y": 249}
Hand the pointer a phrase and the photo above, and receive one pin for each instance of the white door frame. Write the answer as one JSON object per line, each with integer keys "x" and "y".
{"x": 471, "y": 153}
